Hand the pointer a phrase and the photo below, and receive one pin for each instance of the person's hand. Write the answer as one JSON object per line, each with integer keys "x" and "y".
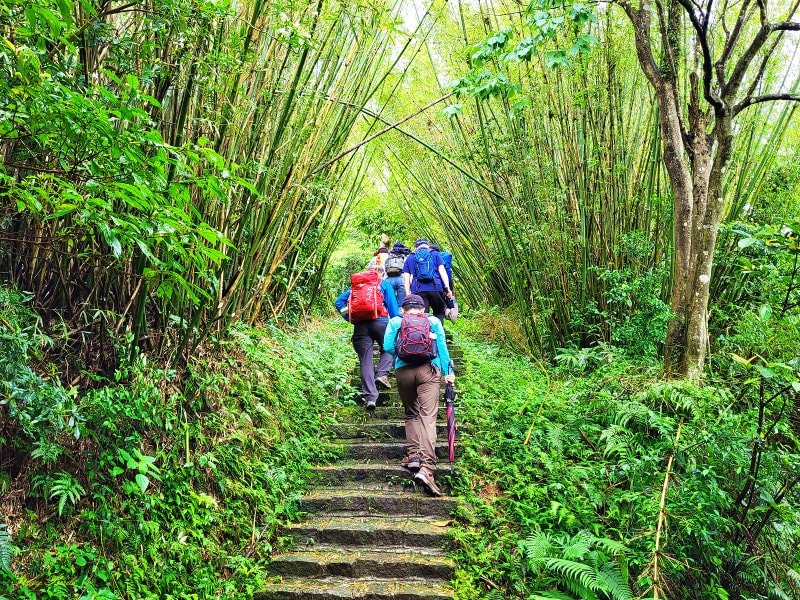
{"x": 450, "y": 294}
{"x": 451, "y": 379}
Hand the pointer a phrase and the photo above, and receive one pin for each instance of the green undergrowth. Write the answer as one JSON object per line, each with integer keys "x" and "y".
{"x": 562, "y": 470}
{"x": 155, "y": 486}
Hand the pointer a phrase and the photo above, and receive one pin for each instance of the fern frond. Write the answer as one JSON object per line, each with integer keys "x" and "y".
{"x": 578, "y": 546}
{"x": 580, "y": 591}
{"x": 613, "y": 547}
{"x": 537, "y": 547}
{"x": 613, "y": 584}
{"x": 550, "y": 596}
{"x": 7, "y": 550}
{"x": 572, "y": 571}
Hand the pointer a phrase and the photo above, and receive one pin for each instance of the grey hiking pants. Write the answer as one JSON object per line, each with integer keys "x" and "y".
{"x": 365, "y": 335}
{"x": 418, "y": 387}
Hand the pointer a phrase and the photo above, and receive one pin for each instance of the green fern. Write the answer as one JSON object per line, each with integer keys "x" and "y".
{"x": 66, "y": 488}
{"x": 579, "y": 564}
{"x": 7, "y": 550}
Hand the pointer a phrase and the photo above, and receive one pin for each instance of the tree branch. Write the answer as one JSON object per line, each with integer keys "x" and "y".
{"x": 641, "y": 27}
{"x": 749, "y": 101}
{"x": 701, "y": 28}
{"x": 785, "y": 26}
{"x": 733, "y": 38}
{"x": 731, "y": 87}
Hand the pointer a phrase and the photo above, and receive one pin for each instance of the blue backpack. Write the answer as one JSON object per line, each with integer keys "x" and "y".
{"x": 424, "y": 269}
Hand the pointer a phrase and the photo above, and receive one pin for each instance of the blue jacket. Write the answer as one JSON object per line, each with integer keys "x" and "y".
{"x": 447, "y": 259}
{"x": 389, "y": 301}
{"x": 442, "y": 360}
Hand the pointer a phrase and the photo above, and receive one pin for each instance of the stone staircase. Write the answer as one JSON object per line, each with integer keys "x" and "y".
{"x": 371, "y": 532}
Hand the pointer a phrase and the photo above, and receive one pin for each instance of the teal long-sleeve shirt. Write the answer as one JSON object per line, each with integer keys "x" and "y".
{"x": 442, "y": 360}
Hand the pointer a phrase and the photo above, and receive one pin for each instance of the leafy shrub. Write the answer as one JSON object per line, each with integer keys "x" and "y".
{"x": 552, "y": 460}
{"x": 179, "y": 486}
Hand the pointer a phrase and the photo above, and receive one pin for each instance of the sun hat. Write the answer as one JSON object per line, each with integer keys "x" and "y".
{"x": 420, "y": 242}
{"x": 413, "y": 301}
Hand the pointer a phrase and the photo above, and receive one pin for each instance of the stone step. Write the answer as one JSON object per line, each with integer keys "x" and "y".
{"x": 375, "y": 475}
{"x": 386, "y": 409}
{"x": 411, "y": 532}
{"x": 383, "y": 451}
{"x": 401, "y": 564}
{"x": 377, "y": 430}
{"x": 365, "y": 589}
{"x": 374, "y": 502}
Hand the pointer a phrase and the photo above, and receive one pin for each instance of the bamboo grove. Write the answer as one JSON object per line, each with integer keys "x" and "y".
{"x": 562, "y": 206}
{"x": 171, "y": 167}
{"x": 159, "y": 158}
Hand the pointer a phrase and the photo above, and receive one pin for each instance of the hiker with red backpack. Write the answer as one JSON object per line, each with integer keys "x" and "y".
{"x": 421, "y": 362}
{"x": 368, "y": 304}
{"x": 420, "y": 273}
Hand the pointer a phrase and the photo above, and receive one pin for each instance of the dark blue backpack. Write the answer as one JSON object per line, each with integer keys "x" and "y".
{"x": 424, "y": 269}
{"x": 416, "y": 343}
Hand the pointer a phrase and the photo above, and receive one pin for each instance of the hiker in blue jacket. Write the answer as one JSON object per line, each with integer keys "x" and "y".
{"x": 420, "y": 272}
{"x": 365, "y": 335}
{"x": 418, "y": 386}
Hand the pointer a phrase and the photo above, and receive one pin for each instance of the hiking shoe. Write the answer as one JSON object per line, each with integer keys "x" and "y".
{"x": 383, "y": 382}
{"x": 370, "y": 405}
{"x": 425, "y": 477}
{"x": 410, "y": 462}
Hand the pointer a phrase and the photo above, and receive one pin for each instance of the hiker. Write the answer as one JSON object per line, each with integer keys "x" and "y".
{"x": 451, "y": 308}
{"x": 367, "y": 304}
{"x": 379, "y": 259}
{"x": 419, "y": 277}
{"x": 394, "y": 269}
{"x": 421, "y": 362}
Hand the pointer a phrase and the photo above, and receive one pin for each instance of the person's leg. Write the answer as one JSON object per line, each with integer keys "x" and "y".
{"x": 425, "y": 299}
{"x": 362, "y": 344}
{"x": 438, "y": 305}
{"x": 427, "y": 383}
{"x": 378, "y": 331}
{"x": 399, "y": 289}
{"x": 407, "y": 389}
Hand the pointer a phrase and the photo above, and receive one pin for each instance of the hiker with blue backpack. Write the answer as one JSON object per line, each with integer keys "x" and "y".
{"x": 368, "y": 304}
{"x": 420, "y": 272}
{"x": 422, "y": 361}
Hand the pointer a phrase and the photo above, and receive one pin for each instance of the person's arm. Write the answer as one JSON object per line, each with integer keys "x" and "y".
{"x": 408, "y": 273}
{"x": 341, "y": 304}
{"x": 445, "y": 280}
{"x": 390, "y": 337}
{"x": 389, "y": 299}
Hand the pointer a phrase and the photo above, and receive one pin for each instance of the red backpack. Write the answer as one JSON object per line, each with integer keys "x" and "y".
{"x": 366, "y": 299}
{"x": 415, "y": 343}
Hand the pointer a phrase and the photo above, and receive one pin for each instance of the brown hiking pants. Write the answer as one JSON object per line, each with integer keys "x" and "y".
{"x": 418, "y": 387}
